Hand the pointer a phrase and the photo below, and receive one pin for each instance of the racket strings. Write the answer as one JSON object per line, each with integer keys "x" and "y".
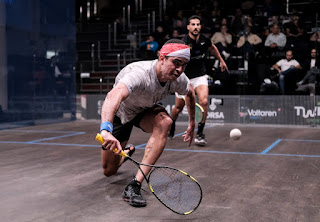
{"x": 198, "y": 114}
{"x": 175, "y": 189}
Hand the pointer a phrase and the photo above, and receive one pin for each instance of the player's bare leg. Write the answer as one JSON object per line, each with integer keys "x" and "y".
{"x": 158, "y": 123}
{"x": 111, "y": 162}
{"x": 178, "y": 107}
{"x": 202, "y": 92}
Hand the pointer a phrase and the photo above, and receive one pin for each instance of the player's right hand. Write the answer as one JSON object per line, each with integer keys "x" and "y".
{"x": 188, "y": 135}
{"x": 110, "y": 142}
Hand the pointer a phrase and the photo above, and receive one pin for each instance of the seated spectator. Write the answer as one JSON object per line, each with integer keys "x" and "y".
{"x": 274, "y": 45}
{"x": 160, "y": 36}
{"x": 166, "y": 23}
{"x": 295, "y": 33}
{"x": 150, "y": 47}
{"x": 311, "y": 66}
{"x": 276, "y": 39}
{"x": 291, "y": 28}
{"x": 176, "y": 35}
{"x": 286, "y": 68}
{"x": 273, "y": 20}
{"x": 214, "y": 22}
{"x": 224, "y": 21}
{"x": 181, "y": 28}
{"x": 264, "y": 33}
{"x": 237, "y": 22}
{"x": 249, "y": 40}
{"x": 315, "y": 39}
{"x": 248, "y": 46}
{"x": 249, "y": 22}
{"x": 222, "y": 40}
{"x": 181, "y": 18}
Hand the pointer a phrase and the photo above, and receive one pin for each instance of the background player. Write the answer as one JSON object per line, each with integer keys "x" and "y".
{"x": 196, "y": 71}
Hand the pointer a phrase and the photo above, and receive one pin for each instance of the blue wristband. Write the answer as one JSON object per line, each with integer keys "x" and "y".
{"x": 106, "y": 126}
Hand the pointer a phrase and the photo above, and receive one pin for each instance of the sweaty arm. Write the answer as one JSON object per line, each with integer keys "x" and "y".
{"x": 190, "y": 103}
{"x": 216, "y": 53}
{"x": 110, "y": 106}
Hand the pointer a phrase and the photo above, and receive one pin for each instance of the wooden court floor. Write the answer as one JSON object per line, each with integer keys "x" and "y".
{"x": 53, "y": 173}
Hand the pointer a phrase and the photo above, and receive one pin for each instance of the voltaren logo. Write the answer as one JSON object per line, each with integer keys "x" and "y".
{"x": 262, "y": 113}
{"x": 301, "y": 111}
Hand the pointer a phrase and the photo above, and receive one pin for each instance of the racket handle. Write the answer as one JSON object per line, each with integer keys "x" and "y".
{"x": 100, "y": 139}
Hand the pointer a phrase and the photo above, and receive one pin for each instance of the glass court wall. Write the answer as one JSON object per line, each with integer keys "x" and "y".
{"x": 37, "y": 57}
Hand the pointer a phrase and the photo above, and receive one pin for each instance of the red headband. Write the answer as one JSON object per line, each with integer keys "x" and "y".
{"x": 176, "y": 49}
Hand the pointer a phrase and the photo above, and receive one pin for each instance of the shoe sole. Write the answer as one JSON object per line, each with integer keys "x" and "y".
{"x": 126, "y": 199}
{"x": 198, "y": 143}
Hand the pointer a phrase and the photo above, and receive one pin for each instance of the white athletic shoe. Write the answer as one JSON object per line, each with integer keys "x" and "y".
{"x": 200, "y": 140}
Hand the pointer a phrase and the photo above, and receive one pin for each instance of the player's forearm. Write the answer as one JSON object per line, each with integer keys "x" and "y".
{"x": 112, "y": 102}
{"x": 216, "y": 53}
{"x": 190, "y": 103}
{"x": 109, "y": 109}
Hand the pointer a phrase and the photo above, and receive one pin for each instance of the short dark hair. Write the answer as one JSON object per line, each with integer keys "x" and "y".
{"x": 194, "y": 17}
{"x": 175, "y": 41}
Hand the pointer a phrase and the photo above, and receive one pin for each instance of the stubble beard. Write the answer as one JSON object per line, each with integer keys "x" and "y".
{"x": 195, "y": 35}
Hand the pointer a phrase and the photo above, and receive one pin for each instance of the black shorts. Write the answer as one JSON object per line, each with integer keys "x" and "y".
{"x": 122, "y": 132}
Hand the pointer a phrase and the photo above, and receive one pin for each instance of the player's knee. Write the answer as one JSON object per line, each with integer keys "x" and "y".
{"x": 109, "y": 172}
{"x": 165, "y": 122}
{"x": 204, "y": 102}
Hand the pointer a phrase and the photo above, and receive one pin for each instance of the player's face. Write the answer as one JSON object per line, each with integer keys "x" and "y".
{"x": 173, "y": 67}
{"x": 194, "y": 27}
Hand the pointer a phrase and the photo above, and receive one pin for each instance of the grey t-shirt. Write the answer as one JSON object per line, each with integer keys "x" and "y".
{"x": 145, "y": 89}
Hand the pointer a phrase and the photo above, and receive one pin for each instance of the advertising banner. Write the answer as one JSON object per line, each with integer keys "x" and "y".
{"x": 284, "y": 110}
